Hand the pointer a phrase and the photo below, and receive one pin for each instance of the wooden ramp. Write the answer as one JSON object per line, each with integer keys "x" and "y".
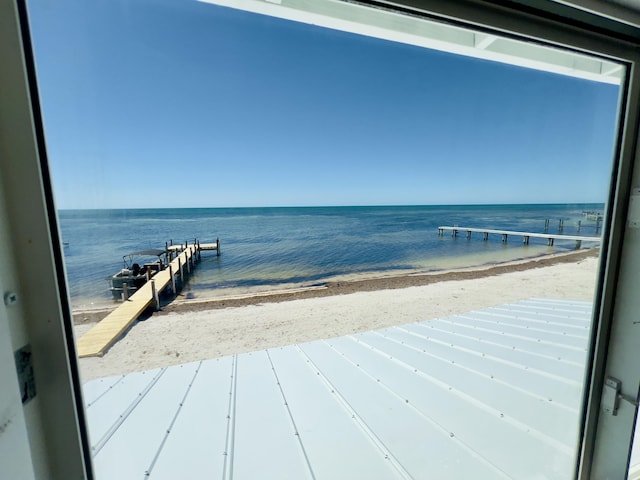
{"x": 105, "y": 333}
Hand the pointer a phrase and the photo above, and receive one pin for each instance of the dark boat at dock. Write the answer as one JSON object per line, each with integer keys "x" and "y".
{"x": 138, "y": 268}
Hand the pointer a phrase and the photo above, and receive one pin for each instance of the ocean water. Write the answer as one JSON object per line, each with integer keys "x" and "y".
{"x": 283, "y": 247}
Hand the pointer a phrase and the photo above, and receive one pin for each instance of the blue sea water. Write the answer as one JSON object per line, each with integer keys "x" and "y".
{"x": 302, "y": 246}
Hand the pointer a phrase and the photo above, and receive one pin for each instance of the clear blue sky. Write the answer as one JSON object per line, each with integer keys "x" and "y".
{"x": 161, "y": 103}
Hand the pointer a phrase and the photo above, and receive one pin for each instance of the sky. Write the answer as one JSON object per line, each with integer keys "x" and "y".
{"x": 177, "y": 103}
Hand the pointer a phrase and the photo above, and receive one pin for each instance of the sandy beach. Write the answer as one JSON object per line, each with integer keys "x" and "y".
{"x": 188, "y": 330}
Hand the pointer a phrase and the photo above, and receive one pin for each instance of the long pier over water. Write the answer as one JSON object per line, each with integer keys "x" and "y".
{"x": 551, "y": 237}
{"x": 183, "y": 259}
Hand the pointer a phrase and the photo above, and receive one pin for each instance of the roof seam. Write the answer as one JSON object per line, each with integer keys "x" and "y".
{"x": 227, "y": 468}
{"x": 470, "y": 399}
{"x": 114, "y": 428}
{"x": 358, "y": 419}
{"x": 173, "y": 421}
{"x": 293, "y": 422}
{"x": 405, "y": 401}
{"x": 480, "y": 374}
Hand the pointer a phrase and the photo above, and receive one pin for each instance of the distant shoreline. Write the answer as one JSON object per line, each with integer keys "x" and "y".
{"x": 182, "y": 304}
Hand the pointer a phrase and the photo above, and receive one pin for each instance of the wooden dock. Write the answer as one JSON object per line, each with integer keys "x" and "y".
{"x": 550, "y": 237}
{"x": 105, "y": 333}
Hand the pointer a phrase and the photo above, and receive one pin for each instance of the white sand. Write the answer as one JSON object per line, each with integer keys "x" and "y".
{"x": 184, "y": 337}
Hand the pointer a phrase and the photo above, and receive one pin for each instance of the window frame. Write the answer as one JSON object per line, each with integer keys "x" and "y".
{"x": 55, "y": 419}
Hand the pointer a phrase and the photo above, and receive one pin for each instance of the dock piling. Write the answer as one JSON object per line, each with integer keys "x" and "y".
{"x": 154, "y": 295}
{"x": 172, "y": 280}
{"x": 125, "y": 292}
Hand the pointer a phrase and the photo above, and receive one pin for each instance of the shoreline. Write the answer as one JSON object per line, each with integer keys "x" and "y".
{"x": 187, "y": 331}
{"x": 362, "y": 283}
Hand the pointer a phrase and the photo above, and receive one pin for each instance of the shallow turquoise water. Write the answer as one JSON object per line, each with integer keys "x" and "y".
{"x": 303, "y": 245}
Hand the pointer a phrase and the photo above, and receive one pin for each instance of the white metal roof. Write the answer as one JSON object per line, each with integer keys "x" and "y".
{"x": 488, "y": 394}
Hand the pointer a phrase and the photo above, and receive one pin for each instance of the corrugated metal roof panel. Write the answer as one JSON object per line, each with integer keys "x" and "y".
{"x": 129, "y": 447}
{"x": 265, "y": 442}
{"x": 108, "y": 408}
{"x": 337, "y": 444}
{"x": 524, "y": 405}
{"x": 197, "y": 441}
{"x": 490, "y": 394}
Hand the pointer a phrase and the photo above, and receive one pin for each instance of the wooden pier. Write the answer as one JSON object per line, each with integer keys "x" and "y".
{"x": 550, "y": 237}
{"x": 183, "y": 259}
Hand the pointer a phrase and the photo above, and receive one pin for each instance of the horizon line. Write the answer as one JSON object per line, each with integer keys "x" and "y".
{"x": 338, "y": 206}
